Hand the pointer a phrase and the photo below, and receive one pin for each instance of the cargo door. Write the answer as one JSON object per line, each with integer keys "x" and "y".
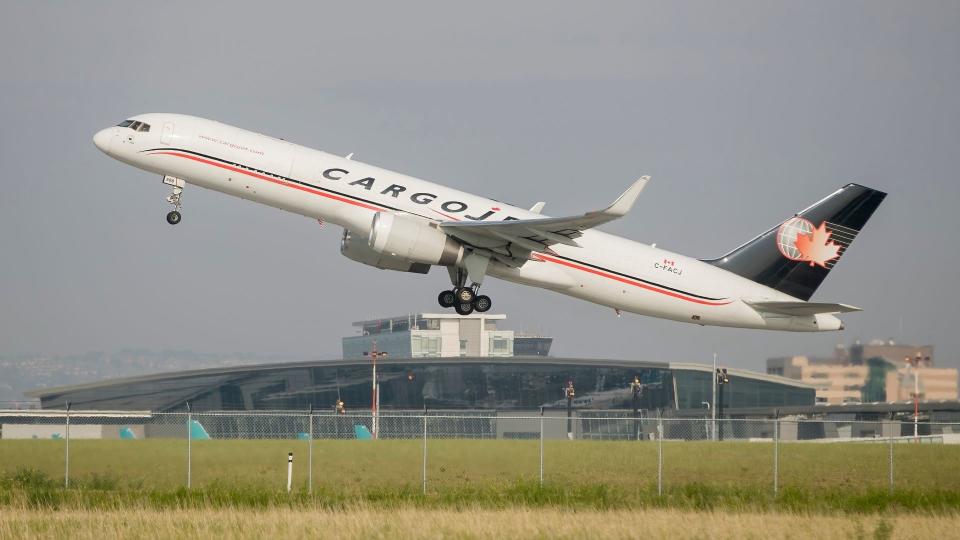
{"x": 166, "y": 135}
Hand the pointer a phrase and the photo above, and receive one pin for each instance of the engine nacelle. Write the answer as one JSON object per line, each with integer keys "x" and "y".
{"x": 356, "y": 249}
{"x": 412, "y": 238}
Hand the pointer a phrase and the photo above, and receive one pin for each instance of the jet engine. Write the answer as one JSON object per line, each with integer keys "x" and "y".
{"x": 356, "y": 248}
{"x": 414, "y": 239}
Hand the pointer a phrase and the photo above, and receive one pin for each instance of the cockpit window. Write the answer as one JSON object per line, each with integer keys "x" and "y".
{"x": 135, "y": 125}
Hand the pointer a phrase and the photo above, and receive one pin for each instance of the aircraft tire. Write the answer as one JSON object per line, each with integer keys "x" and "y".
{"x": 447, "y": 299}
{"x": 465, "y": 295}
{"x": 173, "y": 217}
{"x": 482, "y": 303}
{"x": 463, "y": 309}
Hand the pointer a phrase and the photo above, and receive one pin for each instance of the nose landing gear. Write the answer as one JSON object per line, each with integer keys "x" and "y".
{"x": 177, "y": 185}
{"x": 464, "y": 300}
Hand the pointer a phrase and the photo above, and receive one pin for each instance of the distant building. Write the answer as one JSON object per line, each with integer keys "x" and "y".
{"x": 892, "y": 352}
{"x": 835, "y": 383}
{"x": 935, "y": 384}
{"x": 873, "y": 372}
{"x": 431, "y": 335}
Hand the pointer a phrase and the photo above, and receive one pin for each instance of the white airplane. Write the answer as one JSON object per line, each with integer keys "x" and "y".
{"x": 396, "y": 222}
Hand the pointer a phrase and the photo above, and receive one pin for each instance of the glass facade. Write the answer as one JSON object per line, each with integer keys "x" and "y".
{"x": 415, "y": 384}
{"x": 694, "y": 388}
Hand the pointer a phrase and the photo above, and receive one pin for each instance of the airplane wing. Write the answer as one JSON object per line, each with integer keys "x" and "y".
{"x": 799, "y": 308}
{"x": 516, "y": 239}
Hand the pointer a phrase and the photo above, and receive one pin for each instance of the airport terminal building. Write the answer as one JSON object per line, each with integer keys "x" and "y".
{"x": 516, "y": 383}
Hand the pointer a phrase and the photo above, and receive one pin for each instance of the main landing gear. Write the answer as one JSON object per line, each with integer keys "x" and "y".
{"x": 174, "y": 198}
{"x": 464, "y": 300}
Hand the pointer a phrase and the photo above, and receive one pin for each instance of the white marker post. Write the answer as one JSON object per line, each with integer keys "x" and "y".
{"x": 289, "y": 471}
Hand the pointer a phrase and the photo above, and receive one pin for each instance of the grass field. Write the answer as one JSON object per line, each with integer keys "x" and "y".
{"x": 496, "y": 472}
{"x": 476, "y": 489}
{"x": 353, "y": 466}
{"x": 477, "y": 523}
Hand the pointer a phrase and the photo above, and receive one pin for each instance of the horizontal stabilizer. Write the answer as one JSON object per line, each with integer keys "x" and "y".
{"x": 798, "y": 309}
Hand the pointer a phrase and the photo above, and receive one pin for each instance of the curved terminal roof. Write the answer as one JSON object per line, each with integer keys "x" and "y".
{"x": 226, "y": 372}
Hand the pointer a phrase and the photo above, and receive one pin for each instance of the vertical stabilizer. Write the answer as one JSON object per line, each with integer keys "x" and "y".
{"x": 795, "y": 256}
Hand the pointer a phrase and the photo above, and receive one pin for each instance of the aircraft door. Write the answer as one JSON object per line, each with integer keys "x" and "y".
{"x": 166, "y": 136}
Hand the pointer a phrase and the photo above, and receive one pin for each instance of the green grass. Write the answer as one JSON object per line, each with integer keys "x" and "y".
{"x": 489, "y": 473}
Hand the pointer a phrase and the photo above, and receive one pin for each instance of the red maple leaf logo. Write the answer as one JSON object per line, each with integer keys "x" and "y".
{"x": 817, "y": 247}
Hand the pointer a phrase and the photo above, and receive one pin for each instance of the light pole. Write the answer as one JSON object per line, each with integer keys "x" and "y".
{"x": 636, "y": 388}
{"x": 709, "y": 408}
{"x": 912, "y": 365}
{"x": 375, "y": 394}
{"x": 713, "y": 400}
{"x": 721, "y": 381}
{"x": 569, "y": 392}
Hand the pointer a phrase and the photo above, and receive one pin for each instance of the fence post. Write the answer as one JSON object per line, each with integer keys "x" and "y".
{"x": 659, "y": 454}
{"x": 189, "y": 444}
{"x": 541, "y": 446}
{"x": 66, "y": 457}
{"x": 310, "y": 451}
{"x": 776, "y": 455}
{"x": 424, "y": 471}
{"x": 890, "y": 460}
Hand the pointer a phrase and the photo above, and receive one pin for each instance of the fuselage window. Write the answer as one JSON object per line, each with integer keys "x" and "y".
{"x": 125, "y": 123}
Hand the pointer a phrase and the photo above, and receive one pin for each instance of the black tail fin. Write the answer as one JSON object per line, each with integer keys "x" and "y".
{"x": 795, "y": 256}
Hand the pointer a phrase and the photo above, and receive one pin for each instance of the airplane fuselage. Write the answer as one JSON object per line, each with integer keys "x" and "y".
{"x": 606, "y": 269}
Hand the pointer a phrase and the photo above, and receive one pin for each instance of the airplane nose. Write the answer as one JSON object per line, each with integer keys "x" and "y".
{"x": 103, "y": 139}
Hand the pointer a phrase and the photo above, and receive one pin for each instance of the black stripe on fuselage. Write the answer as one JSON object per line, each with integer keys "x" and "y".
{"x": 281, "y": 177}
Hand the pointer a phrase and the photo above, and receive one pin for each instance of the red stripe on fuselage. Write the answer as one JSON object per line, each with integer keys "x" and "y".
{"x": 630, "y": 282}
{"x": 274, "y": 180}
{"x": 448, "y": 216}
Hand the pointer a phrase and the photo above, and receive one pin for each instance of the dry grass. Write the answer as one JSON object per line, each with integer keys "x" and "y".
{"x": 421, "y": 523}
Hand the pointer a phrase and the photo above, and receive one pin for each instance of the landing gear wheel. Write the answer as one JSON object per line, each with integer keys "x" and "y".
{"x": 176, "y": 194}
{"x": 447, "y": 299}
{"x": 465, "y": 295}
{"x": 463, "y": 309}
{"x": 482, "y": 303}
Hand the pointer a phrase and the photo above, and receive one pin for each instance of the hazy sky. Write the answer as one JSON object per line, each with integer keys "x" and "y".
{"x": 743, "y": 113}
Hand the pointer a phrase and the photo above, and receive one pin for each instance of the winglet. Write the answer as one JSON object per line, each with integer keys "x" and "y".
{"x": 537, "y": 208}
{"x": 624, "y": 202}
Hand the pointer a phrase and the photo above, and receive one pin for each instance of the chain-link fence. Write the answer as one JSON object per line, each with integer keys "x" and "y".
{"x": 436, "y": 450}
